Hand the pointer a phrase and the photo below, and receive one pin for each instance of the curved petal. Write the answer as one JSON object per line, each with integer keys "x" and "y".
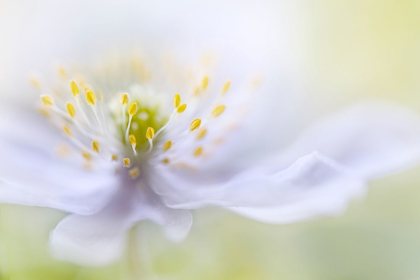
{"x": 99, "y": 239}
{"x": 31, "y": 172}
{"x": 372, "y": 139}
{"x": 313, "y": 185}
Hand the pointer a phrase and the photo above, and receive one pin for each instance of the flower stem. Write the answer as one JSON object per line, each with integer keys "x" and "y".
{"x": 133, "y": 255}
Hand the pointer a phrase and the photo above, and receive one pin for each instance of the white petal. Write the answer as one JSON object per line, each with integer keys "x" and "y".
{"x": 372, "y": 139}
{"x": 31, "y": 173}
{"x": 314, "y": 185}
{"x": 99, "y": 239}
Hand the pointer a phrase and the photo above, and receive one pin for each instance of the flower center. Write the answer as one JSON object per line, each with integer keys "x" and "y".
{"x": 136, "y": 127}
{"x": 133, "y": 119}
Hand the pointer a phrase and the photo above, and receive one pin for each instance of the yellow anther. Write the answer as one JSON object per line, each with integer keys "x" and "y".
{"x": 47, "y": 100}
{"x": 44, "y": 112}
{"x": 167, "y": 146}
{"x": 205, "y": 82}
{"x": 177, "y": 100}
{"x": 67, "y": 130}
{"x": 256, "y": 82}
{"x": 132, "y": 139}
{"x": 114, "y": 157}
{"x": 185, "y": 166}
{"x": 198, "y": 152}
{"x": 218, "y": 110}
{"x": 100, "y": 95}
{"x": 150, "y": 133}
{"x": 201, "y": 134}
{"x": 219, "y": 141}
{"x": 165, "y": 160}
{"x": 86, "y": 155}
{"x": 74, "y": 88}
{"x": 197, "y": 91}
{"x": 226, "y": 87}
{"x": 124, "y": 99}
{"x": 35, "y": 83}
{"x": 70, "y": 110}
{"x": 95, "y": 146}
{"x": 87, "y": 165}
{"x": 181, "y": 108}
{"x": 195, "y": 124}
{"x": 84, "y": 85}
{"x": 91, "y": 98}
{"x": 132, "y": 110}
{"x": 126, "y": 162}
{"x": 62, "y": 72}
{"x": 62, "y": 150}
{"x": 134, "y": 172}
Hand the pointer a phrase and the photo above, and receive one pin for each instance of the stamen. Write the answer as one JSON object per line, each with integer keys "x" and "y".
{"x": 177, "y": 100}
{"x": 195, "y": 124}
{"x": 63, "y": 151}
{"x": 198, "y": 152}
{"x": 201, "y": 134}
{"x": 219, "y": 141}
{"x": 86, "y": 155}
{"x": 114, "y": 157}
{"x": 132, "y": 110}
{"x": 150, "y": 134}
{"x": 75, "y": 91}
{"x": 126, "y": 162}
{"x": 87, "y": 165}
{"x": 67, "y": 130}
{"x": 62, "y": 72}
{"x": 91, "y": 98}
{"x": 95, "y": 146}
{"x": 84, "y": 85}
{"x": 74, "y": 88}
{"x": 168, "y": 123}
{"x": 167, "y": 146}
{"x": 134, "y": 173}
{"x": 124, "y": 99}
{"x": 47, "y": 100}
{"x": 70, "y": 110}
{"x": 226, "y": 87}
{"x": 133, "y": 142}
{"x": 181, "y": 108}
{"x": 44, "y": 112}
{"x": 124, "y": 102}
{"x": 218, "y": 110}
{"x": 100, "y": 95}
{"x": 132, "y": 139}
{"x": 35, "y": 83}
{"x": 205, "y": 82}
{"x": 165, "y": 161}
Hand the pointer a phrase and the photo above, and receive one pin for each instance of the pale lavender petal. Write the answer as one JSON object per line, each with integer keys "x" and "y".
{"x": 32, "y": 173}
{"x": 373, "y": 139}
{"x": 99, "y": 239}
{"x": 313, "y": 185}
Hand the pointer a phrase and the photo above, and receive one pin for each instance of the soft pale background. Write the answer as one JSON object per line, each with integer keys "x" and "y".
{"x": 326, "y": 54}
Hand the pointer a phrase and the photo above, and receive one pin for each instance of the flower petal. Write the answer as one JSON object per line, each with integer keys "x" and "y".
{"x": 31, "y": 173}
{"x": 314, "y": 185}
{"x": 372, "y": 139}
{"x": 99, "y": 239}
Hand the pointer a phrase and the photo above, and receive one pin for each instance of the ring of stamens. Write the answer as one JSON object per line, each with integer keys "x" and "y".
{"x": 79, "y": 124}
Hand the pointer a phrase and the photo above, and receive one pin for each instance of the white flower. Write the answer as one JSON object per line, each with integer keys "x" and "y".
{"x": 136, "y": 150}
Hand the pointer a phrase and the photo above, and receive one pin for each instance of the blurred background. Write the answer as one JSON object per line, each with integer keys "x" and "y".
{"x": 319, "y": 56}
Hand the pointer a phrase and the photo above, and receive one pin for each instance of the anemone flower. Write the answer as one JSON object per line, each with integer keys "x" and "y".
{"x": 122, "y": 142}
